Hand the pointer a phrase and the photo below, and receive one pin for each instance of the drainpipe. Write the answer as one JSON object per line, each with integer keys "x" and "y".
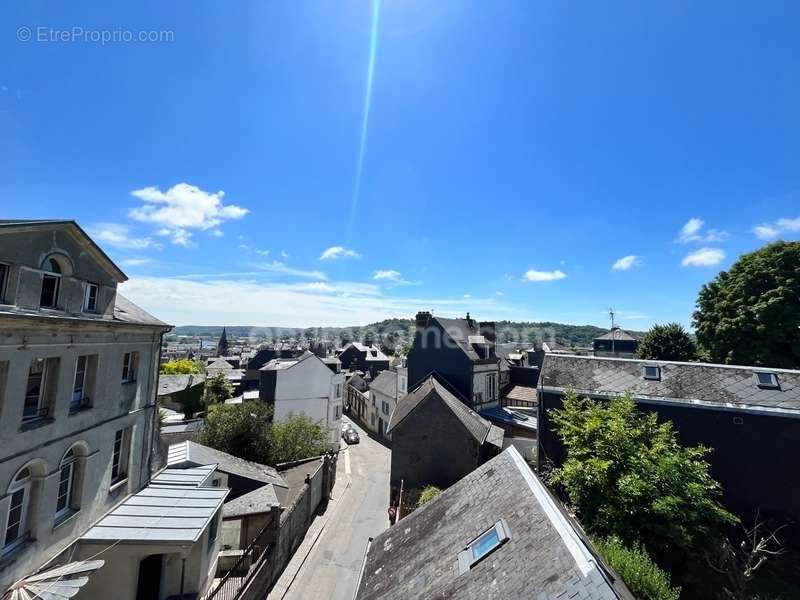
{"x": 183, "y": 575}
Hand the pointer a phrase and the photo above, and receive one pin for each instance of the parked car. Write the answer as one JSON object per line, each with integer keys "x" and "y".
{"x": 351, "y": 436}
{"x": 346, "y": 426}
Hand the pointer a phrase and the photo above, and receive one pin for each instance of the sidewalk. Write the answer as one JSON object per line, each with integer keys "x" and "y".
{"x": 285, "y": 581}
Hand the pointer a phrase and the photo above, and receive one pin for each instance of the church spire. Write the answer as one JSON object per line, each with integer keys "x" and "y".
{"x": 222, "y": 345}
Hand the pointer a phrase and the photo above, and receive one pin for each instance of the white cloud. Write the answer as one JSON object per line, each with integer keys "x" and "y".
{"x": 202, "y": 302}
{"x": 467, "y": 295}
{"x": 216, "y": 233}
{"x": 284, "y": 254}
{"x": 120, "y": 236}
{"x": 277, "y": 266}
{"x": 692, "y": 232}
{"x": 627, "y": 262}
{"x": 263, "y": 252}
{"x": 533, "y": 275}
{"x": 393, "y": 277}
{"x": 770, "y": 231}
{"x": 136, "y": 262}
{"x": 336, "y": 252}
{"x": 704, "y": 257}
{"x": 181, "y": 208}
{"x": 499, "y": 293}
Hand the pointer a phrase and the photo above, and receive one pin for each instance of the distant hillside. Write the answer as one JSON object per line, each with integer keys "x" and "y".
{"x": 400, "y": 330}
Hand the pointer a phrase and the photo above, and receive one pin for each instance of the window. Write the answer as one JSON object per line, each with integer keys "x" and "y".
{"x": 3, "y": 279}
{"x": 50, "y": 284}
{"x": 478, "y": 397}
{"x": 78, "y": 399}
{"x": 385, "y": 407}
{"x": 66, "y": 484}
{"x": 130, "y": 364}
{"x": 491, "y": 387}
{"x": 90, "y": 297}
{"x": 34, "y": 391}
{"x": 767, "y": 380}
{"x": 652, "y": 372}
{"x": 338, "y": 391}
{"x": 16, "y": 527}
{"x": 217, "y": 482}
{"x": 120, "y": 455}
{"x": 212, "y": 531}
{"x": 486, "y": 543}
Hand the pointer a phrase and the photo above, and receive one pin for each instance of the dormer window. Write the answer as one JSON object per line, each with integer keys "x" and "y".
{"x": 482, "y": 546}
{"x": 766, "y": 380}
{"x": 652, "y": 372}
{"x": 51, "y": 281}
{"x": 90, "y": 297}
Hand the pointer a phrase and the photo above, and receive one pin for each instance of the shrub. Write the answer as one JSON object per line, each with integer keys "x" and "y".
{"x": 428, "y": 493}
{"x": 642, "y": 576}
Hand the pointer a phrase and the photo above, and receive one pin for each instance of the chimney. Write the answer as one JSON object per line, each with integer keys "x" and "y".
{"x": 423, "y": 317}
{"x": 488, "y": 331}
{"x": 470, "y": 322}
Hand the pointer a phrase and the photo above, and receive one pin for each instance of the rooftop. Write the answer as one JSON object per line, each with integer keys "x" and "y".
{"x": 167, "y": 514}
{"x": 170, "y": 384}
{"x": 545, "y": 556}
{"x": 193, "y": 476}
{"x": 698, "y": 383}
{"x": 385, "y": 383}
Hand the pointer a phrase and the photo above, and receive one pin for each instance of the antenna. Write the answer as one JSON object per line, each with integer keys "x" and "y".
{"x": 611, "y": 313}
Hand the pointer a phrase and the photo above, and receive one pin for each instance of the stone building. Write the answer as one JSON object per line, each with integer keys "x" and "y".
{"x": 78, "y": 369}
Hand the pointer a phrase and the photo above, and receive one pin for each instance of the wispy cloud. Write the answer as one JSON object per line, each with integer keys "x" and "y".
{"x": 704, "y": 257}
{"x": 136, "y": 262}
{"x": 337, "y": 252}
{"x": 534, "y": 275}
{"x": 201, "y": 302}
{"x": 627, "y": 262}
{"x": 277, "y": 266}
{"x": 771, "y": 231}
{"x": 692, "y": 231}
{"x": 182, "y": 208}
{"x": 393, "y": 277}
{"x": 119, "y": 236}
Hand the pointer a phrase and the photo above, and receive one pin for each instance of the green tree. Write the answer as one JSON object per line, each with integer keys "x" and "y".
{"x": 296, "y": 438}
{"x": 242, "y": 430}
{"x": 642, "y": 576}
{"x": 429, "y": 492}
{"x": 217, "y": 389}
{"x": 183, "y": 366}
{"x": 626, "y": 475}
{"x": 750, "y": 315}
{"x": 667, "y": 342}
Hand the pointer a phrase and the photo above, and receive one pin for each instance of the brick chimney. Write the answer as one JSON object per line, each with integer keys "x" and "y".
{"x": 423, "y": 317}
{"x": 488, "y": 331}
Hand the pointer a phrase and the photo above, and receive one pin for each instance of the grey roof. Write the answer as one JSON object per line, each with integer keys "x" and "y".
{"x": 385, "y": 383}
{"x": 477, "y": 426}
{"x": 182, "y": 426}
{"x": 169, "y": 384}
{"x": 358, "y": 382}
{"x": 258, "y": 501}
{"x": 219, "y": 364}
{"x": 545, "y": 558}
{"x": 697, "y": 383}
{"x": 617, "y": 334}
{"x": 501, "y": 414}
{"x": 127, "y": 312}
{"x": 192, "y": 454}
{"x": 160, "y": 514}
{"x": 193, "y": 476}
{"x": 460, "y": 332}
{"x": 372, "y": 353}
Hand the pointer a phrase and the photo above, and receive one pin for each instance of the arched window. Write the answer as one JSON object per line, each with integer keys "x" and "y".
{"x": 51, "y": 265}
{"x": 54, "y": 266}
{"x": 67, "y": 481}
{"x": 17, "y": 524}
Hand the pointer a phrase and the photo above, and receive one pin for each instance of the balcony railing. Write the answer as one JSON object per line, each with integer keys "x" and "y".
{"x": 236, "y": 579}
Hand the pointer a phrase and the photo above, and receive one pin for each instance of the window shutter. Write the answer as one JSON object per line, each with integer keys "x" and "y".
{"x": 5, "y": 502}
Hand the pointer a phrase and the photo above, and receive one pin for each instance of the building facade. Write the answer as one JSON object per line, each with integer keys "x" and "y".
{"x": 78, "y": 369}
{"x": 363, "y": 357}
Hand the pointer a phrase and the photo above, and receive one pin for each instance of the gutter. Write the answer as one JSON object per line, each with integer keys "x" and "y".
{"x": 363, "y": 567}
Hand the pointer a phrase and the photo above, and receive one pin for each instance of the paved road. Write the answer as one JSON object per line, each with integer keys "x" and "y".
{"x": 334, "y": 563}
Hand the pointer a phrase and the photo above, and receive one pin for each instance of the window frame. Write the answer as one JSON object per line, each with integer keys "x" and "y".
{"x": 491, "y": 387}
{"x": 773, "y": 384}
{"x": 130, "y": 366}
{"x": 76, "y": 405}
{"x": 87, "y": 297}
{"x": 23, "y": 485}
{"x": 656, "y": 377}
{"x": 213, "y": 531}
{"x": 120, "y": 456}
{"x": 466, "y": 558}
{"x": 40, "y": 401}
{"x": 68, "y": 465}
{"x": 56, "y": 290}
{"x": 5, "y": 270}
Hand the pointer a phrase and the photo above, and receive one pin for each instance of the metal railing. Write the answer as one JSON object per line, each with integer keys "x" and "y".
{"x": 237, "y": 578}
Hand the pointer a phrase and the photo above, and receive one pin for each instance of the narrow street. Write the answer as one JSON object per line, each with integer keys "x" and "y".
{"x": 330, "y": 572}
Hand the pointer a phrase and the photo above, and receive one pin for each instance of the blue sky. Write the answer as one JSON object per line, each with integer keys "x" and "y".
{"x": 512, "y": 152}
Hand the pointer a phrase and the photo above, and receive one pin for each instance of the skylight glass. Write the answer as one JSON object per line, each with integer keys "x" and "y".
{"x": 485, "y": 544}
{"x": 765, "y": 379}
{"x": 652, "y": 372}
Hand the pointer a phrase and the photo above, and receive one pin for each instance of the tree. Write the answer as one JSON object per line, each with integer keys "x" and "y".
{"x": 296, "y": 438}
{"x": 627, "y": 476}
{"x": 242, "y": 430}
{"x": 642, "y": 576}
{"x": 180, "y": 367}
{"x": 217, "y": 389}
{"x": 428, "y": 493}
{"x": 667, "y": 342}
{"x": 750, "y": 315}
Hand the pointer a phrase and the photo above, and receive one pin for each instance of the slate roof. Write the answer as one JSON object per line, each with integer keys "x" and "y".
{"x": 385, "y": 383}
{"x": 617, "y": 334}
{"x": 480, "y": 429}
{"x": 219, "y": 364}
{"x": 460, "y": 332}
{"x": 169, "y": 384}
{"x": 182, "y": 427}
{"x": 127, "y": 312}
{"x": 545, "y": 558}
{"x": 192, "y": 454}
{"x": 698, "y": 383}
{"x": 258, "y": 501}
{"x": 372, "y": 353}
{"x": 501, "y": 414}
{"x": 358, "y": 382}
{"x": 265, "y": 355}
{"x": 160, "y": 514}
